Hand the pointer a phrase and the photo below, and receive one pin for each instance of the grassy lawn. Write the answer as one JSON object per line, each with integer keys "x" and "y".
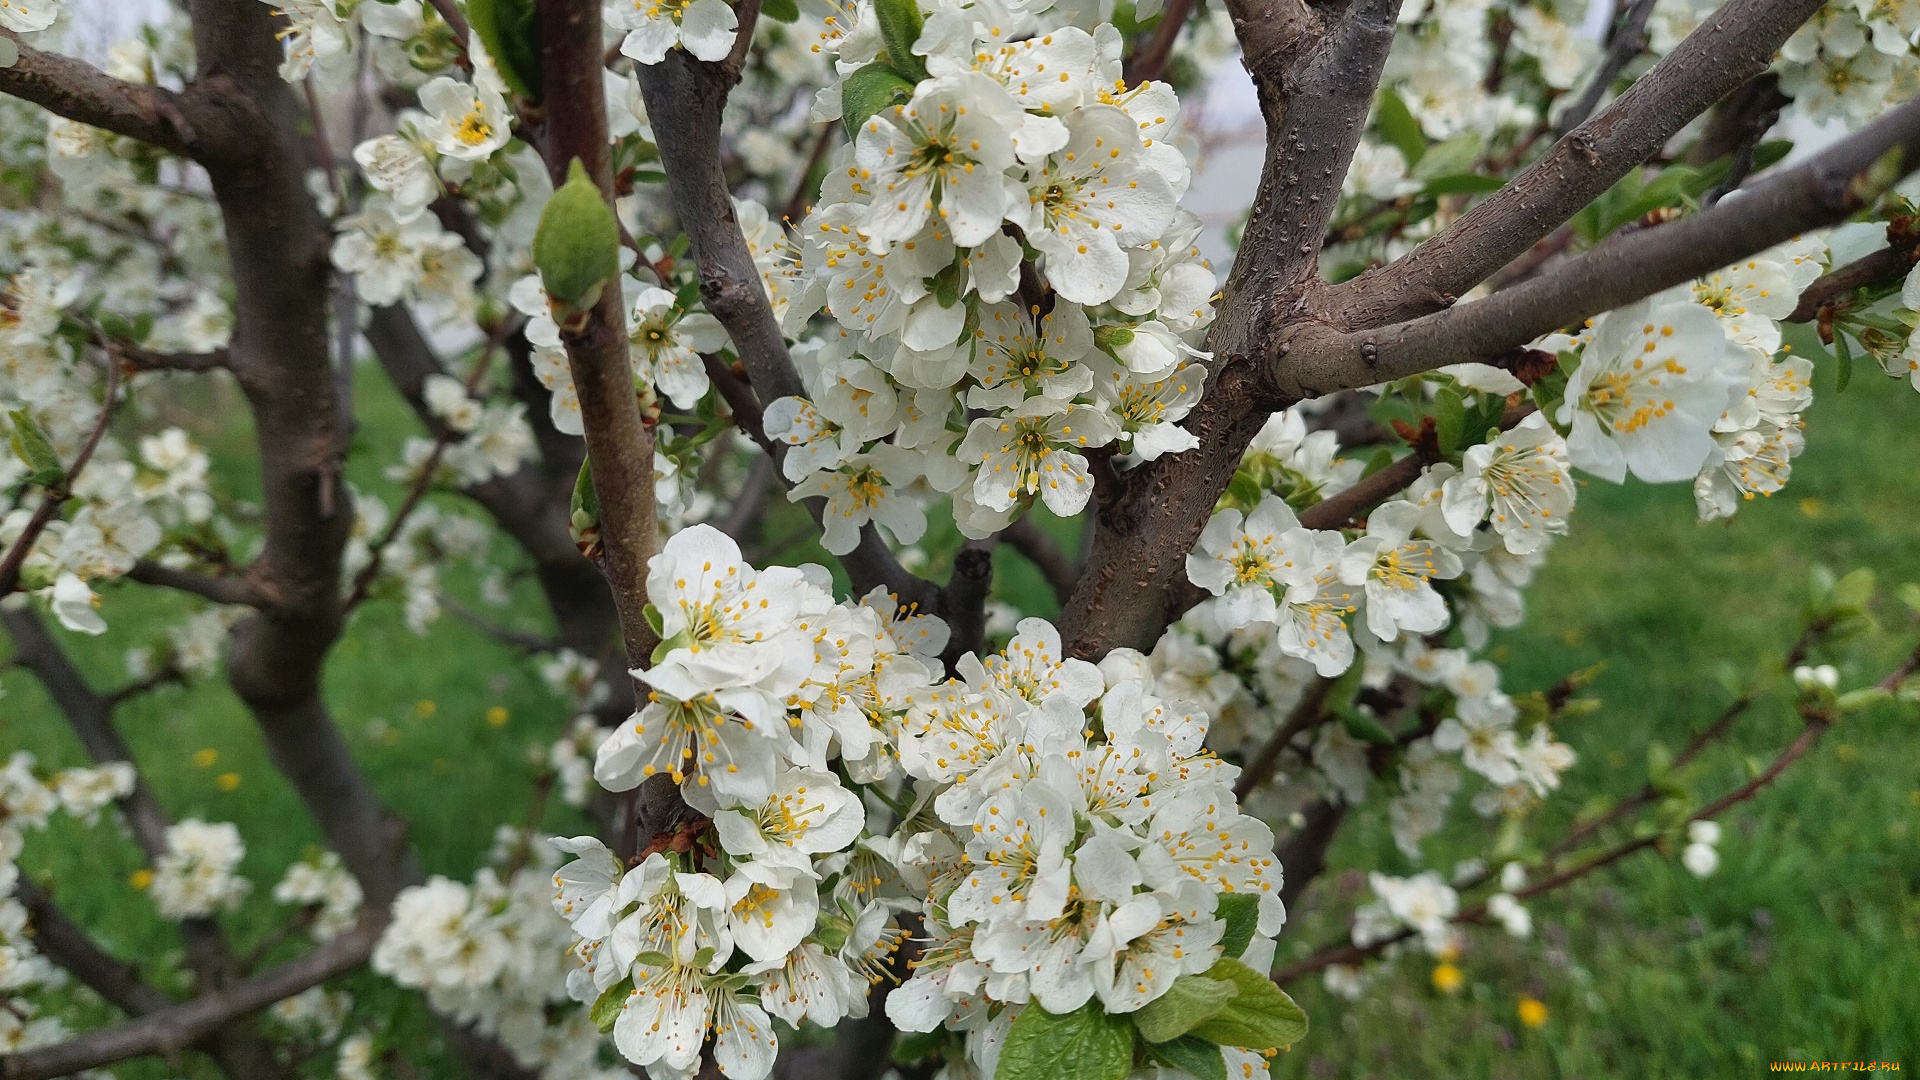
{"x": 1803, "y": 944}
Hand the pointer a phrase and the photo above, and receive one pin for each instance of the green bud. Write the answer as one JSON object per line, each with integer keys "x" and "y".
{"x": 577, "y": 247}
{"x": 868, "y": 91}
{"x": 900, "y": 23}
{"x": 1109, "y": 338}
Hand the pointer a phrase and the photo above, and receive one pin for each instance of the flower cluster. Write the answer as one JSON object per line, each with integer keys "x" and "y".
{"x": 493, "y": 955}
{"x": 197, "y": 877}
{"x": 1056, "y": 827}
{"x": 944, "y": 368}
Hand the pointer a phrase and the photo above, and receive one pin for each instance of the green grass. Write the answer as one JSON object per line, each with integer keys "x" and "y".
{"x": 1803, "y": 944}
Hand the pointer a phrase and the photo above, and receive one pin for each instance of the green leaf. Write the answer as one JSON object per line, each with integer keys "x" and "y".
{"x": 1843, "y": 363}
{"x": 1852, "y": 594}
{"x": 577, "y": 246}
{"x": 900, "y": 23}
{"x": 1449, "y": 419}
{"x": 868, "y": 91}
{"x": 606, "y": 1008}
{"x": 1395, "y": 123}
{"x": 1449, "y": 158}
{"x": 1469, "y": 183}
{"x": 1260, "y": 1017}
{"x": 1855, "y": 700}
{"x": 1195, "y": 1057}
{"x": 785, "y": 11}
{"x": 31, "y": 446}
{"x": 1192, "y": 1000}
{"x": 912, "y": 1046}
{"x": 1364, "y": 727}
{"x": 510, "y": 30}
{"x": 1085, "y": 1044}
{"x": 1241, "y": 913}
{"x": 653, "y": 617}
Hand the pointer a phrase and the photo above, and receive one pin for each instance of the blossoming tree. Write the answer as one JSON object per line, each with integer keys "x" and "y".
{"x": 642, "y": 268}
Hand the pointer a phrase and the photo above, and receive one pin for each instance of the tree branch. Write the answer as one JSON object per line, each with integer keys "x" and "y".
{"x": 63, "y": 941}
{"x": 620, "y": 443}
{"x": 55, "y": 497}
{"x": 1734, "y": 44}
{"x": 79, "y": 91}
{"x": 1823, "y": 190}
{"x": 138, "y": 358}
{"x": 1045, "y": 553}
{"x": 685, "y": 96}
{"x": 1627, "y": 42}
{"x": 236, "y": 589}
{"x": 1839, "y": 283}
{"x": 175, "y": 1028}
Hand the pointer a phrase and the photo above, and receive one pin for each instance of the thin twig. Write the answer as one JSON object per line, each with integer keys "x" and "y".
{"x": 1307, "y": 712}
{"x": 56, "y": 497}
{"x": 1628, "y": 41}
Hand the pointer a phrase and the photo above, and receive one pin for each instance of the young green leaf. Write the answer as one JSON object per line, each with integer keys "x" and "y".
{"x": 1449, "y": 419}
{"x": 900, "y": 22}
{"x": 1085, "y": 1044}
{"x": 510, "y": 30}
{"x": 1395, "y": 123}
{"x": 1192, "y": 1000}
{"x": 867, "y": 91}
{"x": 1260, "y": 1017}
{"x": 1241, "y": 912}
{"x": 606, "y": 1008}
{"x": 577, "y": 246}
{"x": 784, "y": 11}
{"x": 31, "y": 446}
{"x": 1197, "y": 1058}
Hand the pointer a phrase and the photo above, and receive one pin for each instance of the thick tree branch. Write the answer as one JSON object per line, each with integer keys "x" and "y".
{"x": 1822, "y": 191}
{"x": 1734, "y": 44}
{"x": 1315, "y": 70}
{"x": 277, "y": 246}
{"x": 63, "y": 941}
{"x": 79, "y": 91}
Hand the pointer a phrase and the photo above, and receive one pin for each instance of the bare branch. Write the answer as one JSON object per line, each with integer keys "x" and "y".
{"x": 1629, "y": 38}
{"x": 1306, "y": 713}
{"x": 1838, "y": 284}
{"x": 175, "y": 1028}
{"x": 79, "y": 91}
{"x": 505, "y": 635}
{"x": 138, "y": 358}
{"x": 1734, "y": 44}
{"x": 1824, "y": 190}
{"x": 1150, "y": 62}
{"x": 1045, "y": 553}
{"x": 237, "y": 589}
{"x": 62, "y": 940}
